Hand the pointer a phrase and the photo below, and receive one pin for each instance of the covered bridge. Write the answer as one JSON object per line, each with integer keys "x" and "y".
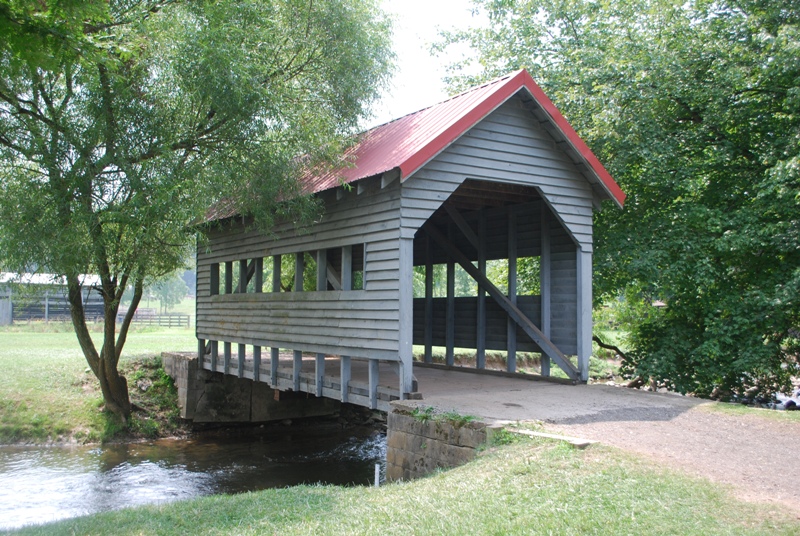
{"x": 493, "y": 173}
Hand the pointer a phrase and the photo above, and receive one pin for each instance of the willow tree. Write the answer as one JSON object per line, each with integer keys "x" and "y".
{"x": 121, "y": 121}
{"x": 695, "y": 109}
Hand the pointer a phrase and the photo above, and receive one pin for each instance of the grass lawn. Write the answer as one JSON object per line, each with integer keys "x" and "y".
{"x": 529, "y": 487}
{"x": 47, "y": 392}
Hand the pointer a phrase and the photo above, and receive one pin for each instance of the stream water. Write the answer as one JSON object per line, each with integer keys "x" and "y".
{"x": 43, "y": 484}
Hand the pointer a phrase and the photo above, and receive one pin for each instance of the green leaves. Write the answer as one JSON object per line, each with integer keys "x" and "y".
{"x": 693, "y": 108}
{"x": 122, "y": 122}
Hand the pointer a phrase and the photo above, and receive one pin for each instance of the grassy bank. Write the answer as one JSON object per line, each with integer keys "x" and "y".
{"x": 530, "y": 487}
{"x": 48, "y": 394}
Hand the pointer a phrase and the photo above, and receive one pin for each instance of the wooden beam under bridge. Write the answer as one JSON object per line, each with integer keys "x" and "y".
{"x": 546, "y": 345}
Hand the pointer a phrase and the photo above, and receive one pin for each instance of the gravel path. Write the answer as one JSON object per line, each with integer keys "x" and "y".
{"x": 754, "y": 454}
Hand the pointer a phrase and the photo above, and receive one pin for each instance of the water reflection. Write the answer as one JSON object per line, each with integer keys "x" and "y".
{"x": 41, "y": 484}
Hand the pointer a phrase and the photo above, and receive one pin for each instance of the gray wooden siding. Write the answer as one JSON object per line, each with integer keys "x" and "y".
{"x": 508, "y": 146}
{"x": 563, "y": 292}
{"x": 363, "y": 323}
{"x": 466, "y": 313}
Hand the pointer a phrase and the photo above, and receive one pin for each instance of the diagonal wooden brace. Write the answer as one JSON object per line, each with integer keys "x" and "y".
{"x": 547, "y": 346}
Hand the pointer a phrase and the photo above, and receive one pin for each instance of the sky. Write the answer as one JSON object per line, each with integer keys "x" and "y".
{"x": 417, "y": 82}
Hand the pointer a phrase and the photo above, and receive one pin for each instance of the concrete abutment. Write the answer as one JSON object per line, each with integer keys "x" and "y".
{"x": 419, "y": 440}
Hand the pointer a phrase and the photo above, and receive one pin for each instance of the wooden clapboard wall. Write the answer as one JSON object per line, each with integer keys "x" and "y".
{"x": 359, "y": 323}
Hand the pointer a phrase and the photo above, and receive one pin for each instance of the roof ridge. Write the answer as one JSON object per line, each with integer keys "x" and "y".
{"x": 448, "y": 99}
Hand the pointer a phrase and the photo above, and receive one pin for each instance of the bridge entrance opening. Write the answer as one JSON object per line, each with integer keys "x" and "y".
{"x": 495, "y": 278}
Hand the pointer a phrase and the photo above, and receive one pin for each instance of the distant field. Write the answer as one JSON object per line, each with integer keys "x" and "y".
{"x": 47, "y": 392}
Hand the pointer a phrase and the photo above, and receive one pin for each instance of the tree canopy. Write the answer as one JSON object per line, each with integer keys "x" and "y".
{"x": 694, "y": 107}
{"x": 122, "y": 121}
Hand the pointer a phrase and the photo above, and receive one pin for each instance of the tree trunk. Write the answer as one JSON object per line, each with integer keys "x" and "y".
{"x": 113, "y": 386}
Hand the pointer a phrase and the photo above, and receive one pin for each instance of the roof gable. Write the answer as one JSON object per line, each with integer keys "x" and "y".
{"x": 408, "y": 143}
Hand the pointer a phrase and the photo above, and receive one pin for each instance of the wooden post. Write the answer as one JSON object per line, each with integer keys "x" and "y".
{"x": 274, "y": 361}
{"x": 226, "y": 357}
{"x": 201, "y": 352}
{"x": 214, "y": 278}
{"x": 347, "y": 284}
{"x": 214, "y": 355}
{"x": 256, "y": 363}
{"x": 373, "y": 383}
{"x": 299, "y": 268}
{"x": 322, "y": 285}
{"x": 47, "y": 306}
{"x": 229, "y": 277}
{"x": 276, "y": 273}
{"x": 545, "y": 261}
{"x": 344, "y": 373}
{"x": 259, "y": 281}
{"x": 240, "y": 360}
{"x": 297, "y": 364}
{"x": 428, "y": 300}
{"x": 406, "y": 306}
{"x": 584, "y": 282}
{"x": 450, "y": 334}
{"x": 511, "y": 329}
{"x": 480, "y": 354}
{"x": 275, "y": 353}
{"x": 347, "y": 268}
{"x": 242, "y": 287}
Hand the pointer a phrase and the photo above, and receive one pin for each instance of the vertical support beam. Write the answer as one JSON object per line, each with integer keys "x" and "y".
{"x": 299, "y": 268}
{"x": 201, "y": 351}
{"x": 347, "y": 284}
{"x": 450, "y": 321}
{"x": 373, "y": 383}
{"x": 240, "y": 360}
{"x": 242, "y": 287}
{"x": 297, "y": 366}
{"x": 347, "y": 268}
{"x": 322, "y": 284}
{"x": 297, "y": 363}
{"x": 214, "y": 355}
{"x": 428, "y": 300}
{"x": 480, "y": 355}
{"x": 584, "y": 281}
{"x": 406, "y": 304}
{"x": 226, "y": 357}
{"x": 256, "y": 363}
{"x": 344, "y": 374}
{"x": 319, "y": 372}
{"x": 275, "y": 352}
{"x": 511, "y": 329}
{"x": 215, "y": 278}
{"x": 545, "y": 281}
{"x": 47, "y": 306}
{"x": 259, "y": 275}
{"x": 276, "y": 273}
{"x": 274, "y": 361}
{"x": 322, "y": 269}
{"x": 229, "y": 277}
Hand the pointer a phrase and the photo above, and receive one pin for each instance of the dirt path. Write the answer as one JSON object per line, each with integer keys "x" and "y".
{"x": 756, "y": 455}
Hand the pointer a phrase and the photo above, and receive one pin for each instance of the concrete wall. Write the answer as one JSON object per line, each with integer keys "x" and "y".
{"x": 213, "y": 397}
{"x": 417, "y": 445}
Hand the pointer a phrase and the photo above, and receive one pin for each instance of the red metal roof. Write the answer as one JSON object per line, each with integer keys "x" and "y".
{"x": 411, "y": 141}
